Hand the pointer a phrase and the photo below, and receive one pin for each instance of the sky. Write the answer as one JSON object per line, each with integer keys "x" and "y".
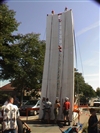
{"x": 86, "y": 13}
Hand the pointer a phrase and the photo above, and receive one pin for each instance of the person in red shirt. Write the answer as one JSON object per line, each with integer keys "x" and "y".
{"x": 66, "y": 107}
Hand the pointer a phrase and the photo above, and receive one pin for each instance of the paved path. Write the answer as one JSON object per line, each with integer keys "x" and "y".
{"x": 53, "y": 128}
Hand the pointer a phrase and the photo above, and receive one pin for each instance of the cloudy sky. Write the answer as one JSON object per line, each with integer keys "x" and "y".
{"x": 86, "y": 14}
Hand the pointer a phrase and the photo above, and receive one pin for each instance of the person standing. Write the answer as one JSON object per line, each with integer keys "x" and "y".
{"x": 10, "y": 113}
{"x": 48, "y": 106}
{"x": 92, "y": 122}
{"x": 43, "y": 104}
{"x": 66, "y": 107}
{"x": 56, "y": 109}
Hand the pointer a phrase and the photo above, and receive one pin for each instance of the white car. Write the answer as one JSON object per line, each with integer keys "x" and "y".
{"x": 96, "y": 103}
{"x": 32, "y": 105}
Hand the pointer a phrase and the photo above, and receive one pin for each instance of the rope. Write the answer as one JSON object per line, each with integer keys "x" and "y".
{"x": 80, "y": 58}
{"x": 76, "y": 63}
{"x": 77, "y": 79}
{"x": 73, "y": 121}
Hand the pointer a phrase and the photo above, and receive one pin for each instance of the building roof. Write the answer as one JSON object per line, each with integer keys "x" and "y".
{"x": 7, "y": 87}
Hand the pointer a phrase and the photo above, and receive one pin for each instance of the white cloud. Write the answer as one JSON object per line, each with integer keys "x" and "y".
{"x": 96, "y": 24}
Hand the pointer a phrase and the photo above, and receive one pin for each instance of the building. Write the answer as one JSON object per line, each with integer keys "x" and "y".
{"x": 8, "y": 89}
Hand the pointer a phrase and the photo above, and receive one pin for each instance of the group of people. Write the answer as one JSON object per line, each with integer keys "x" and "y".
{"x": 47, "y": 109}
{"x": 11, "y": 123}
{"x": 92, "y": 122}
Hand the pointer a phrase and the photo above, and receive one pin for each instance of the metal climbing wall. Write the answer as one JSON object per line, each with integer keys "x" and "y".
{"x": 58, "y": 74}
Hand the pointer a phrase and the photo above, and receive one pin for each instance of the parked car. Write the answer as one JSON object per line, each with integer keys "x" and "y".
{"x": 96, "y": 103}
{"x": 32, "y": 104}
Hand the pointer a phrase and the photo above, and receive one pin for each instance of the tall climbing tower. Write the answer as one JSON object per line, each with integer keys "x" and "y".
{"x": 58, "y": 74}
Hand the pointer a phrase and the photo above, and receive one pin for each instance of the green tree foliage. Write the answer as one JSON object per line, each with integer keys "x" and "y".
{"x": 79, "y": 82}
{"x": 89, "y": 91}
{"x": 81, "y": 87}
{"x": 21, "y": 56}
{"x": 29, "y": 66}
{"x": 98, "y": 91}
{"x": 8, "y": 25}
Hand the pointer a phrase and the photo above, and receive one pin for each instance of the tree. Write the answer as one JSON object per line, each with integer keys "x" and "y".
{"x": 8, "y": 25}
{"x": 81, "y": 87}
{"x": 29, "y": 67}
{"x": 21, "y": 56}
{"x": 98, "y": 91}
{"x": 79, "y": 82}
{"x": 88, "y": 91}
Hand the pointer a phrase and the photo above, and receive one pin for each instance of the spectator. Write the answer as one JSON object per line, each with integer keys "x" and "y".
{"x": 10, "y": 114}
{"x": 92, "y": 122}
{"x": 66, "y": 107}
{"x": 48, "y": 106}
{"x": 43, "y": 104}
{"x": 56, "y": 109}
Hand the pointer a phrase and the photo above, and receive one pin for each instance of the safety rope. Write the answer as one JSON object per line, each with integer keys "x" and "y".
{"x": 76, "y": 64}
{"x": 80, "y": 57}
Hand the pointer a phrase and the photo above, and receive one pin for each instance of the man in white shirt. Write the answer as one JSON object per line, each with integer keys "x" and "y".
{"x": 10, "y": 114}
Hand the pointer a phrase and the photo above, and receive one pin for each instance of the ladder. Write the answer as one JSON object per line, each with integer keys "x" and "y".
{"x": 59, "y": 54}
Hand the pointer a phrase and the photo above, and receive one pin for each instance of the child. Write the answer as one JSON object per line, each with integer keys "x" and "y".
{"x": 92, "y": 122}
